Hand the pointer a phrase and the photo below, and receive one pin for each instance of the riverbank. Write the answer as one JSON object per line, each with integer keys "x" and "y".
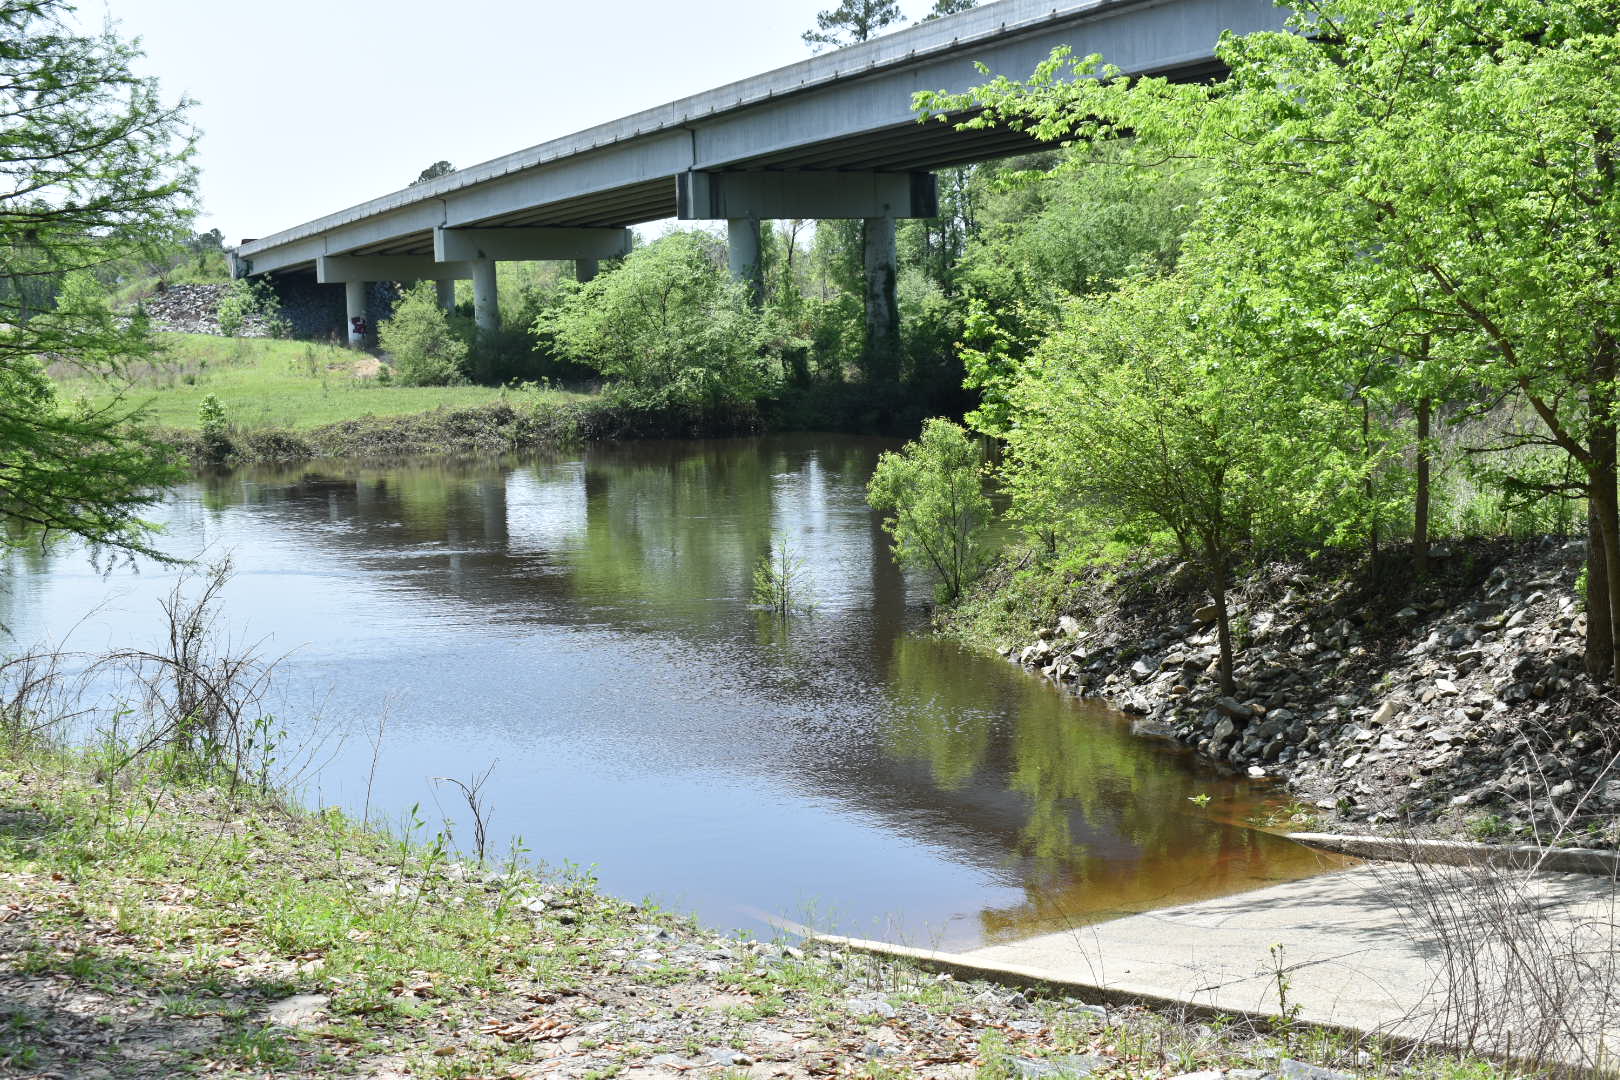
{"x": 1452, "y": 706}
{"x": 154, "y": 922}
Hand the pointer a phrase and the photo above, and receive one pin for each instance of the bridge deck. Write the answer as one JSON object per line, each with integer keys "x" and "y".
{"x": 846, "y": 110}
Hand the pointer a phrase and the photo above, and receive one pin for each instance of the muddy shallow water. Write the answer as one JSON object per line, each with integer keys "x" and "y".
{"x": 582, "y": 621}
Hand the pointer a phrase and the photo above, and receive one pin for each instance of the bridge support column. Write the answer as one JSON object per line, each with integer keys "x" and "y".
{"x": 447, "y": 293}
{"x": 354, "y": 296}
{"x": 882, "y": 308}
{"x": 486, "y": 305}
{"x": 585, "y": 270}
{"x": 742, "y": 248}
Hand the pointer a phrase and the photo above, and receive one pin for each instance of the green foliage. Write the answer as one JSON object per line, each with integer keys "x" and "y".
{"x": 433, "y": 172}
{"x": 1416, "y": 207}
{"x": 96, "y": 170}
{"x": 246, "y": 299}
{"x": 423, "y": 348}
{"x": 213, "y": 429}
{"x": 851, "y": 21}
{"x": 1157, "y": 411}
{"x": 937, "y": 513}
{"x": 778, "y": 577}
{"x": 670, "y": 329}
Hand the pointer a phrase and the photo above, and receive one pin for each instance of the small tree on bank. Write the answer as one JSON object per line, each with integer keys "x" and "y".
{"x": 1139, "y": 418}
{"x": 422, "y": 346}
{"x": 933, "y": 494}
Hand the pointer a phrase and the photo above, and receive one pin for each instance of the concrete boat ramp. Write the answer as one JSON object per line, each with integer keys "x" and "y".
{"x": 1504, "y": 961}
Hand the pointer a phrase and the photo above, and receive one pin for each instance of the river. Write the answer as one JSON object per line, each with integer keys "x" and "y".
{"x": 581, "y": 622}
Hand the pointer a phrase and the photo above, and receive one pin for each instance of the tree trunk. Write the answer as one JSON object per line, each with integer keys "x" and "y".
{"x": 1223, "y": 627}
{"x": 1420, "y": 509}
{"x": 1366, "y": 451}
{"x": 1606, "y": 506}
{"x": 1599, "y": 626}
{"x": 1604, "y": 501}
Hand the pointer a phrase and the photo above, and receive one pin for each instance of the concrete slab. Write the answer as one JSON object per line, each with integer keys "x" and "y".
{"x": 1494, "y": 960}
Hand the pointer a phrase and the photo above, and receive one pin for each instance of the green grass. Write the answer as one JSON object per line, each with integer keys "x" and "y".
{"x": 265, "y": 384}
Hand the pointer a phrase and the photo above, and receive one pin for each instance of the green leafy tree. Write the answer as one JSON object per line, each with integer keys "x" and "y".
{"x": 1422, "y": 173}
{"x": 851, "y": 21}
{"x": 933, "y": 494}
{"x": 670, "y": 328}
{"x": 423, "y": 348}
{"x": 96, "y": 169}
{"x": 1155, "y": 411}
{"x": 943, "y": 8}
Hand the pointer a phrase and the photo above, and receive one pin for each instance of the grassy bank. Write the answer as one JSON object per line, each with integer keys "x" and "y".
{"x": 155, "y": 921}
{"x": 274, "y": 385}
{"x": 287, "y": 401}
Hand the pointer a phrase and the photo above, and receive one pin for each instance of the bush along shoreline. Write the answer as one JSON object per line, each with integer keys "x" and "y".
{"x": 1454, "y": 705}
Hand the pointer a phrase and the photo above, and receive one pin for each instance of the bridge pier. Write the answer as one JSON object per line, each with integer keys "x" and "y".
{"x": 742, "y": 250}
{"x": 486, "y": 304}
{"x": 354, "y": 298}
{"x": 585, "y": 269}
{"x": 882, "y": 306}
{"x": 743, "y": 199}
{"x": 447, "y": 293}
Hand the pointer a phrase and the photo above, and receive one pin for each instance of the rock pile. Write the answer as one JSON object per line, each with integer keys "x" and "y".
{"x": 1467, "y": 707}
{"x": 308, "y": 310}
{"x": 194, "y": 309}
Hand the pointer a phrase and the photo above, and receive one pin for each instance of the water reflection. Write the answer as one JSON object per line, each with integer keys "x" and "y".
{"x": 584, "y": 620}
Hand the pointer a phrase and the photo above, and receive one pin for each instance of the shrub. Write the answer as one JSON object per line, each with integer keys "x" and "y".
{"x": 246, "y": 300}
{"x": 214, "y": 427}
{"x": 420, "y": 343}
{"x": 937, "y": 511}
{"x": 670, "y": 328}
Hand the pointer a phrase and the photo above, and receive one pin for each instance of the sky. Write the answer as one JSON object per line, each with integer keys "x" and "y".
{"x": 307, "y": 107}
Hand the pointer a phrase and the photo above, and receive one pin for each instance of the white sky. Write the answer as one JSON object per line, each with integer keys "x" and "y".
{"x": 310, "y": 106}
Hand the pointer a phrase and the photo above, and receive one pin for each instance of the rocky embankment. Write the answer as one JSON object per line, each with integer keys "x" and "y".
{"x": 1454, "y": 705}
{"x": 194, "y": 309}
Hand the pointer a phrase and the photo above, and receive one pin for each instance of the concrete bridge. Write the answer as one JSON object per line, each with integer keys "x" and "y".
{"x": 829, "y": 137}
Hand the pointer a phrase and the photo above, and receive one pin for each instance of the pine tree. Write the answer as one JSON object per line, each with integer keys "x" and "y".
{"x": 94, "y": 168}
{"x": 853, "y": 21}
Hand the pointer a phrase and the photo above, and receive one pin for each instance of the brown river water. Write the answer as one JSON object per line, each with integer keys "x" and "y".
{"x": 582, "y": 621}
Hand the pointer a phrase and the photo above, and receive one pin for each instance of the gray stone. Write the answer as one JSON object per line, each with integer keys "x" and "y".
{"x": 298, "y": 1011}
{"x": 1072, "y": 1065}
{"x": 1069, "y": 626}
{"x": 869, "y": 1007}
{"x": 1206, "y": 614}
{"x": 1386, "y": 712}
{"x": 1234, "y": 708}
{"x": 1299, "y": 1070}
